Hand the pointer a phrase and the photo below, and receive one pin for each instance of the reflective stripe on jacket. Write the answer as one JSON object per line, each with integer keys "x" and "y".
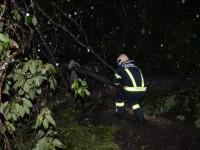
{"x": 130, "y": 77}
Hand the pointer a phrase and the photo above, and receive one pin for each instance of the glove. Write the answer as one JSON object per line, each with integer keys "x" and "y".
{"x": 114, "y": 91}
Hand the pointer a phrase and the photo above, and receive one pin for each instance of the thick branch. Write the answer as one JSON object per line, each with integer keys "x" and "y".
{"x": 93, "y": 75}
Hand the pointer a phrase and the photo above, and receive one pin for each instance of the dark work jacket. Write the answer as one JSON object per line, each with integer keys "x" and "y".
{"x": 121, "y": 77}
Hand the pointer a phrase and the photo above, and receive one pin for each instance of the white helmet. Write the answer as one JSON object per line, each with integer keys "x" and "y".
{"x": 122, "y": 58}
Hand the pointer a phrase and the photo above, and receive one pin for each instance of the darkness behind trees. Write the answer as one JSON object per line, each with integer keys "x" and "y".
{"x": 159, "y": 35}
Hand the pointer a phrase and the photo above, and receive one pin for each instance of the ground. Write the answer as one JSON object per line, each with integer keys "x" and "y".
{"x": 157, "y": 133}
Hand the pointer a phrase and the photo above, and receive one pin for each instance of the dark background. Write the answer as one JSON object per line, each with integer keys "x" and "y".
{"x": 161, "y": 36}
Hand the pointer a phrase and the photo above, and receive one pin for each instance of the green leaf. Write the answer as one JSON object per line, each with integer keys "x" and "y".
{"x": 83, "y": 82}
{"x": 26, "y": 108}
{"x": 45, "y": 123}
{"x": 39, "y": 91}
{"x": 82, "y": 94}
{"x": 17, "y": 107}
{"x": 5, "y": 45}
{"x": 7, "y": 110}
{"x": 27, "y": 96}
{"x": 43, "y": 144}
{"x": 26, "y": 88}
{"x": 34, "y": 21}
{"x": 30, "y": 81}
{"x": 57, "y": 143}
{"x": 87, "y": 92}
{"x": 42, "y": 78}
{"x": 25, "y": 68}
{"x": 21, "y": 111}
{"x": 16, "y": 16}
{"x": 36, "y": 80}
{"x": 4, "y": 105}
{"x": 22, "y": 81}
{"x": 33, "y": 67}
{"x": 4, "y": 38}
{"x": 76, "y": 93}
{"x": 20, "y": 92}
{"x": 53, "y": 84}
{"x": 44, "y": 71}
{"x": 16, "y": 76}
{"x": 6, "y": 89}
{"x": 32, "y": 93}
{"x": 16, "y": 85}
{"x": 40, "y": 134}
{"x": 75, "y": 85}
{"x": 38, "y": 121}
{"x": 28, "y": 20}
{"x": 27, "y": 102}
{"x": 50, "y": 68}
{"x": 9, "y": 116}
{"x": 12, "y": 127}
{"x": 80, "y": 90}
{"x": 50, "y": 119}
{"x": 14, "y": 117}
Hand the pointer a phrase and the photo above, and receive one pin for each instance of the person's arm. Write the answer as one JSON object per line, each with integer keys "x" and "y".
{"x": 117, "y": 78}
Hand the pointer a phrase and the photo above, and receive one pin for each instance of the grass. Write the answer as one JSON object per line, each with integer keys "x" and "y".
{"x": 79, "y": 136}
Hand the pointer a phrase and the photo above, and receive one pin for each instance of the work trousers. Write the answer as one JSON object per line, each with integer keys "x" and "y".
{"x": 132, "y": 98}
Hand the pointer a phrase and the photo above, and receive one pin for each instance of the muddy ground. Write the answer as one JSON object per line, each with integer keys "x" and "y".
{"x": 157, "y": 133}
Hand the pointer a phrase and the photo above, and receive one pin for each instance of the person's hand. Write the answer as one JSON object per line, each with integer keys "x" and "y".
{"x": 114, "y": 91}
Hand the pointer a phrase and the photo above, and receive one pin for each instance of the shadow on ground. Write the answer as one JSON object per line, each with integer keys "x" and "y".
{"x": 154, "y": 134}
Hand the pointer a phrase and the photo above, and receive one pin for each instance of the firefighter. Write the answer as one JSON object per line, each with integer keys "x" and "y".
{"x": 130, "y": 84}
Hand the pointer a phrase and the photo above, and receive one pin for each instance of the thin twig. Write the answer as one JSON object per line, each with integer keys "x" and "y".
{"x": 75, "y": 38}
{"x": 6, "y": 139}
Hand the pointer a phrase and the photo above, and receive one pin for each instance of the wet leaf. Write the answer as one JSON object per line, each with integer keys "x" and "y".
{"x": 57, "y": 143}
{"x": 50, "y": 119}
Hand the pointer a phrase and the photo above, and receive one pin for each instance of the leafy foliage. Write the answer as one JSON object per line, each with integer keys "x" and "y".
{"x": 183, "y": 105}
{"x": 80, "y": 87}
{"x": 29, "y": 79}
{"x": 46, "y": 142}
{"x": 85, "y": 135}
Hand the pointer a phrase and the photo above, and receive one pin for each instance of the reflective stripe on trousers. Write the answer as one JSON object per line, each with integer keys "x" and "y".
{"x": 136, "y": 106}
{"x": 119, "y": 104}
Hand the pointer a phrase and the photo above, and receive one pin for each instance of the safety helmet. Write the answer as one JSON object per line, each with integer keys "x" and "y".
{"x": 122, "y": 58}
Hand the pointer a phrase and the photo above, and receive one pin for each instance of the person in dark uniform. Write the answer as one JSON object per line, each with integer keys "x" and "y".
{"x": 130, "y": 83}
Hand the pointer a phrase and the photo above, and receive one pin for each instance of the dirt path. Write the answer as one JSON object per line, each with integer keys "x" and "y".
{"x": 154, "y": 134}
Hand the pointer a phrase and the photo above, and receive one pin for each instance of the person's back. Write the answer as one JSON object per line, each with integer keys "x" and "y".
{"x": 126, "y": 81}
{"x": 129, "y": 80}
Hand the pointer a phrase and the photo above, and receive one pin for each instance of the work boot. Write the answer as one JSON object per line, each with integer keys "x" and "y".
{"x": 119, "y": 115}
{"x": 140, "y": 119}
{"x": 139, "y": 115}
